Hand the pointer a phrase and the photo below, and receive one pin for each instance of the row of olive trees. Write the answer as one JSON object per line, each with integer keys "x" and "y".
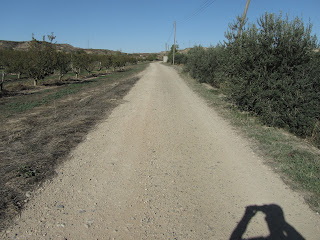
{"x": 42, "y": 60}
{"x": 91, "y": 62}
{"x": 36, "y": 63}
{"x": 271, "y": 69}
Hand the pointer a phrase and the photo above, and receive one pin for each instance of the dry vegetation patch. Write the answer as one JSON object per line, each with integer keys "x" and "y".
{"x": 38, "y": 130}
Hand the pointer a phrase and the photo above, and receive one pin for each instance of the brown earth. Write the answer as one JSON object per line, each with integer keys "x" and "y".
{"x": 33, "y": 143}
{"x": 164, "y": 165}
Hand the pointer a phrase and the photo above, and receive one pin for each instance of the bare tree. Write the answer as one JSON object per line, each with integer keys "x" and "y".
{"x": 51, "y": 37}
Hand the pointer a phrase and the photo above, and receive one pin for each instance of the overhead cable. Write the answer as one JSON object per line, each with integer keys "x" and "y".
{"x": 198, "y": 11}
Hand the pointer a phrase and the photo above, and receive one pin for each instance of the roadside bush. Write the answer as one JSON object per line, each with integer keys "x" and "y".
{"x": 274, "y": 72}
{"x": 271, "y": 69}
{"x": 152, "y": 57}
{"x": 180, "y": 58}
{"x": 205, "y": 65}
{"x": 196, "y": 64}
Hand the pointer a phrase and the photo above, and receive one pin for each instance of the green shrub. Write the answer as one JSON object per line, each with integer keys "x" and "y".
{"x": 271, "y": 69}
{"x": 180, "y": 58}
{"x": 206, "y": 65}
{"x": 274, "y": 72}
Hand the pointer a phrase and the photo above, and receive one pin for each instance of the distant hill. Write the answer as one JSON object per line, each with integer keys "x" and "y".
{"x": 23, "y": 46}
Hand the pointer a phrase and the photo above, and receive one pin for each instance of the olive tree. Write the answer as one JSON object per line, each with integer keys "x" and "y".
{"x": 14, "y": 62}
{"x": 118, "y": 61}
{"x": 62, "y": 64}
{"x": 106, "y": 62}
{"x": 82, "y": 60}
{"x": 41, "y": 60}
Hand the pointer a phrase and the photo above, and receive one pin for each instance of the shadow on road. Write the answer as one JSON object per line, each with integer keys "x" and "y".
{"x": 278, "y": 227}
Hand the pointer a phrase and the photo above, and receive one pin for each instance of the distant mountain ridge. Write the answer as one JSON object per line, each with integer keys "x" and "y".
{"x": 24, "y": 45}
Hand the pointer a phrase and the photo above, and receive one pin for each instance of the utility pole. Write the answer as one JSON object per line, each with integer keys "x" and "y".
{"x": 174, "y": 42}
{"x": 243, "y": 17}
{"x": 166, "y": 49}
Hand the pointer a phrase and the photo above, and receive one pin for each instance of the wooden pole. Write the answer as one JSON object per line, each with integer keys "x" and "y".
{"x": 174, "y": 42}
{"x": 243, "y": 17}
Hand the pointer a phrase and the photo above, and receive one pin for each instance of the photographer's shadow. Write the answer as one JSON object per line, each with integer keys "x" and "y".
{"x": 278, "y": 227}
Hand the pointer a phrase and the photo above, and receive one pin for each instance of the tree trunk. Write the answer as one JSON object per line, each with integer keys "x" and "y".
{"x": 35, "y": 82}
{"x": 60, "y": 76}
{"x": 2, "y": 81}
{"x": 19, "y": 75}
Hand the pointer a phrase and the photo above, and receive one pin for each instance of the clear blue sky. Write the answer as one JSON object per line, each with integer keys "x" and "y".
{"x": 138, "y": 25}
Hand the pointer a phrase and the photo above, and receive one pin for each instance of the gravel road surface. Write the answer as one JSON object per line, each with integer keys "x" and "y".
{"x": 164, "y": 165}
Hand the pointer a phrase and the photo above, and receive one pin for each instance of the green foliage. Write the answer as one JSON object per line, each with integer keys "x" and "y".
{"x": 271, "y": 69}
{"x": 180, "y": 58}
{"x": 90, "y": 63}
{"x": 201, "y": 64}
{"x": 290, "y": 155}
{"x": 118, "y": 61}
{"x": 170, "y": 55}
{"x": 132, "y": 60}
{"x": 63, "y": 61}
{"x": 196, "y": 63}
{"x": 106, "y": 61}
{"x": 2, "y": 59}
{"x": 14, "y": 61}
{"x": 152, "y": 57}
{"x": 273, "y": 72}
{"x": 82, "y": 60}
{"x": 205, "y": 65}
{"x": 22, "y": 103}
{"x": 41, "y": 60}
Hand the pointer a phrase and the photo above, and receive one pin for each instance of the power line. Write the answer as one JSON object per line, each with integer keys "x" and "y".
{"x": 199, "y": 10}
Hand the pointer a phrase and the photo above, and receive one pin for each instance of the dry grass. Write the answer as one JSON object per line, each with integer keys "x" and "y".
{"x": 39, "y": 128}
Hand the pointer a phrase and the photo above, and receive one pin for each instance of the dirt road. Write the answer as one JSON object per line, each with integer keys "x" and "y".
{"x": 164, "y": 166}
